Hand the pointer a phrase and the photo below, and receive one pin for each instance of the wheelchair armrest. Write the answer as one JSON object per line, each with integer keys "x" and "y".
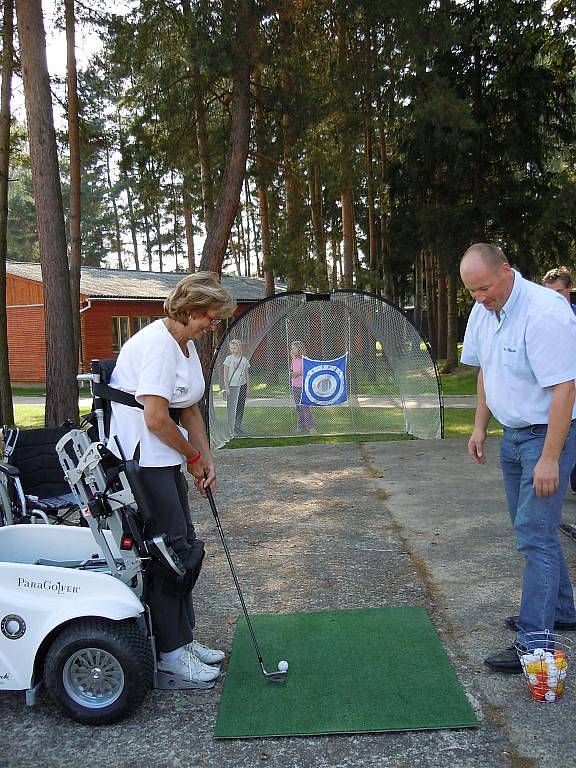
{"x": 9, "y": 469}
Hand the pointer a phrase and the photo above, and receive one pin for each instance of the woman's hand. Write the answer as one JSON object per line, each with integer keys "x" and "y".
{"x": 204, "y": 473}
{"x": 210, "y": 476}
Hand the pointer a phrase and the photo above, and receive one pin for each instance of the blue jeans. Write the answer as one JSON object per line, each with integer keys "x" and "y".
{"x": 546, "y": 591}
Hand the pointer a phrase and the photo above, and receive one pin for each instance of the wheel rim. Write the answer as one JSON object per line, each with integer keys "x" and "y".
{"x": 93, "y": 678}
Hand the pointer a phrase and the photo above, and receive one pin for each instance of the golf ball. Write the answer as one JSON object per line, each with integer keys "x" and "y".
{"x": 282, "y": 666}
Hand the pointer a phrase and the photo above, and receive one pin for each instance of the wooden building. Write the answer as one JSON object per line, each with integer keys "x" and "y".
{"x": 114, "y": 304}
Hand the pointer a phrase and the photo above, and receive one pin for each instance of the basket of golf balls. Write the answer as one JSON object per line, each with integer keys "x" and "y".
{"x": 545, "y": 659}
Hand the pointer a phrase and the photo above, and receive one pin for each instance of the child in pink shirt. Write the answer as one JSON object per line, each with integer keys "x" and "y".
{"x": 305, "y": 420}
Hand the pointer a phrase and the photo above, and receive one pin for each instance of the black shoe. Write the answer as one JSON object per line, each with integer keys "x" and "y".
{"x": 505, "y": 661}
{"x": 562, "y": 626}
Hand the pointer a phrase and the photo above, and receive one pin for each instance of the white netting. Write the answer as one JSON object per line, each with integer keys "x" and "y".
{"x": 391, "y": 380}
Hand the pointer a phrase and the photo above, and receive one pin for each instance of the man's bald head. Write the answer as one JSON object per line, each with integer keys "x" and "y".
{"x": 492, "y": 256}
{"x": 486, "y": 273}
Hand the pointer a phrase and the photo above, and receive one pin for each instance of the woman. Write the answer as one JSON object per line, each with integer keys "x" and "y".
{"x": 305, "y": 420}
{"x": 160, "y": 366}
{"x": 236, "y": 385}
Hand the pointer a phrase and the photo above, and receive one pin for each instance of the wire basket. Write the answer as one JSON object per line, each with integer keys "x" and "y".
{"x": 545, "y": 658}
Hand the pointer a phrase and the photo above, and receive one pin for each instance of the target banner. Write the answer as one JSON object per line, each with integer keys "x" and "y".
{"x": 324, "y": 381}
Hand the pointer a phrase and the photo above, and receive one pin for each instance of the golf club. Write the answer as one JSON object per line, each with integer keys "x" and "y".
{"x": 273, "y": 677}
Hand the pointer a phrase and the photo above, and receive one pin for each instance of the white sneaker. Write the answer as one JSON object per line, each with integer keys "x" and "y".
{"x": 206, "y": 655}
{"x": 189, "y": 668}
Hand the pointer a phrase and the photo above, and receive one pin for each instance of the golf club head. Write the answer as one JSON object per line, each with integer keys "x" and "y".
{"x": 274, "y": 677}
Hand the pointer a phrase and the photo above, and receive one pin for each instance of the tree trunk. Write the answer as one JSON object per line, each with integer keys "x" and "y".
{"x": 251, "y": 218}
{"x": 294, "y": 255}
{"x": 372, "y": 234}
{"x": 125, "y": 179}
{"x": 189, "y": 228}
{"x": 261, "y": 185}
{"x": 61, "y": 363}
{"x": 247, "y": 231}
{"x": 229, "y": 196}
{"x": 336, "y": 260}
{"x": 200, "y": 115}
{"x": 118, "y": 238}
{"x": 418, "y": 292}
{"x": 174, "y": 221}
{"x": 6, "y": 405}
{"x": 242, "y": 245}
{"x": 148, "y": 238}
{"x": 348, "y": 235}
{"x": 452, "y": 324}
{"x": 158, "y": 228}
{"x": 317, "y": 212}
{"x": 442, "y": 316}
{"x": 431, "y": 301}
{"x": 75, "y": 255}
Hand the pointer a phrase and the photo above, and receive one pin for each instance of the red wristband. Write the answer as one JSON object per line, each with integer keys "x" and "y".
{"x": 194, "y": 459}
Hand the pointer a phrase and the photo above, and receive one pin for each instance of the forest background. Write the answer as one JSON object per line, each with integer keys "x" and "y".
{"x": 326, "y": 143}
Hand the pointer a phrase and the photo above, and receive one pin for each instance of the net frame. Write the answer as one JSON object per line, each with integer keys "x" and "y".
{"x": 278, "y": 309}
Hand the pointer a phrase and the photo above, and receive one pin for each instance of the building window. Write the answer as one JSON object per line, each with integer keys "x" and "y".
{"x": 124, "y": 327}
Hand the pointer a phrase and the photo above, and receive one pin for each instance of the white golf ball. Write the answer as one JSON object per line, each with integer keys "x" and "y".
{"x": 282, "y": 666}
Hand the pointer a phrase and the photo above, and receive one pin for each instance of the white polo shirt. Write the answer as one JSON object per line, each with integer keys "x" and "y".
{"x": 522, "y": 355}
{"x": 152, "y": 363}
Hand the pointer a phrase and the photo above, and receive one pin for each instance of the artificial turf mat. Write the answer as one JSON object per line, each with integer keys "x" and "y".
{"x": 368, "y": 670}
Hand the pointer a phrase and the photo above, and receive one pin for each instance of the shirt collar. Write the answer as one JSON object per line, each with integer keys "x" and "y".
{"x": 514, "y": 294}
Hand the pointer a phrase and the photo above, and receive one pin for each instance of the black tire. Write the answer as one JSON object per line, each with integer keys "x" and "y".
{"x": 98, "y": 672}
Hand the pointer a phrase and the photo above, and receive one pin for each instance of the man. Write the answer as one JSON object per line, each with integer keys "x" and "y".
{"x": 560, "y": 280}
{"x": 523, "y": 338}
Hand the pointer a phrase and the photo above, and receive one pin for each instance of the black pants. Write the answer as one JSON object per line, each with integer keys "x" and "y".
{"x": 172, "y": 614}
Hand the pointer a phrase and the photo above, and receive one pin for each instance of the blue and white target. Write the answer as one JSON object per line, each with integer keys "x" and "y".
{"x": 324, "y": 381}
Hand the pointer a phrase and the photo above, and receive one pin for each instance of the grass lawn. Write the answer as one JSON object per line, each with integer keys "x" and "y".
{"x": 32, "y": 416}
{"x": 462, "y": 381}
{"x": 458, "y": 422}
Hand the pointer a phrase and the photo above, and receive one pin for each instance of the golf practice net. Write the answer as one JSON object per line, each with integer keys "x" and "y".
{"x": 347, "y": 362}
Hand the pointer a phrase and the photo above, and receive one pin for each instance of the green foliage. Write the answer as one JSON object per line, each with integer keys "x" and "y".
{"x": 470, "y": 107}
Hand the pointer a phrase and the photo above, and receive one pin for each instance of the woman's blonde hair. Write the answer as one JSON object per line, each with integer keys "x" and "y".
{"x": 199, "y": 292}
{"x": 299, "y": 346}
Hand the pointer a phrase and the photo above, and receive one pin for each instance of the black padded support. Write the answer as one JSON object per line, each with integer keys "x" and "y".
{"x": 35, "y": 457}
{"x": 132, "y": 470}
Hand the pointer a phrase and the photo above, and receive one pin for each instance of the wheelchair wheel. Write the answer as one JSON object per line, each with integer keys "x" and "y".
{"x": 98, "y": 672}
{"x": 6, "y": 516}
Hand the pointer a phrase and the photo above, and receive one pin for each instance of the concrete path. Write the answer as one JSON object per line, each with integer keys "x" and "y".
{"x": 340, "y": 526}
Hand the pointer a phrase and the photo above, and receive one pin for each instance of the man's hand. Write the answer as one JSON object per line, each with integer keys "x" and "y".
{"x": 546, "y": 477}
{"x": 476, "y": 446}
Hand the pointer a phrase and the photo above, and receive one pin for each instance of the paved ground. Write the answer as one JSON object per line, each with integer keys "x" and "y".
{"x": 345, "y": 526}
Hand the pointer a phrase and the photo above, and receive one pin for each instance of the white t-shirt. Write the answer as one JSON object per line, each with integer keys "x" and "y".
{"x": 152, "y": 363}
{"x": 531, "y": 348}
{"x": 237, "y": 368}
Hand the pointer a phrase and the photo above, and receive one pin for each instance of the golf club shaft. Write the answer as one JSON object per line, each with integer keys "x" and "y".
{"x": 234, "y": 576}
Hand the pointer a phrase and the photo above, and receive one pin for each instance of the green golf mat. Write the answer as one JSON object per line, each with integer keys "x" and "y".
{"x": 368, "y": 670}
